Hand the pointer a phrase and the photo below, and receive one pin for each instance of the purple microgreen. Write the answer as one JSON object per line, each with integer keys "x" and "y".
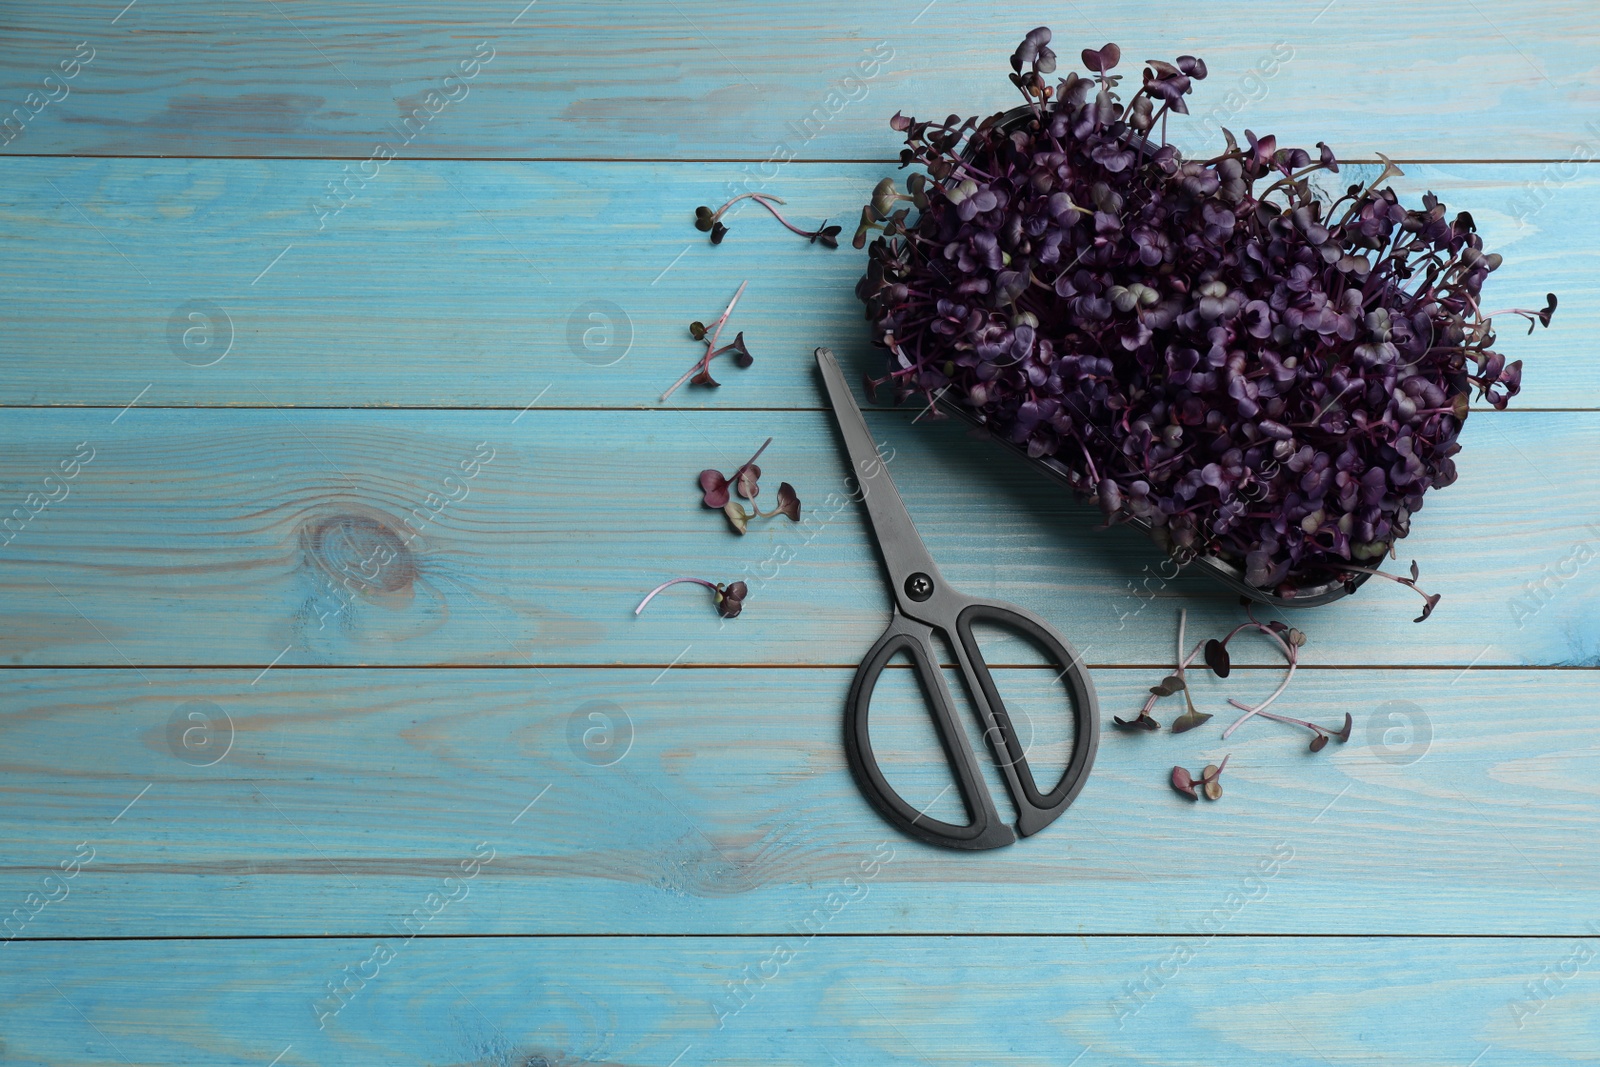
{"x": 707, "y": 220}
{"x": 1429, "y": 600}
{"x": 700, "y": 373}
{"x": 788, "y": 502}
{"x": 1169, "y": 685}
{"x": 1320, "y": 734}
{"x": 1142, "y": 721}
{"x": 1263, "y": 374}
{"x": 1102, "y": 59}
{"x": 715, "y": 493}
{"x": 1217, "y": 658}
{"x": 729, "y": 600}
{"x": 1214, "y": 771}
{"x": 741, "y": 355}
{"x": 1290, "y": 654}
{"x": 1190, "y": 718}
{"x": 714, "y": 489}
{"x": 1209, "y": 781}
{"x": 748, "y": 478}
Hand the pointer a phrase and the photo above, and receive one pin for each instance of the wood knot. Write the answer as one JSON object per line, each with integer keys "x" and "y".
{"x": 362, "y": 552}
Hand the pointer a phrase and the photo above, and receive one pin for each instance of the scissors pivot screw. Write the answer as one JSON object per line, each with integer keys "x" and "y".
{"x": 919, "y": 587}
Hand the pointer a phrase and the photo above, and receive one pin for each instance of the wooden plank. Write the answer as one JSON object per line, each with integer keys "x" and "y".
{"x": 1022, "y": 1001}
{"x": 265, "y": 536}
{"x": 718, "y": 802}
{"x": 692, "y": 79}
{"x": 492, "y": 284}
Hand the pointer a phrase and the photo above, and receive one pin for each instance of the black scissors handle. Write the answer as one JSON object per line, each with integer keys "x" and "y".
{"x": 985, "y": 829}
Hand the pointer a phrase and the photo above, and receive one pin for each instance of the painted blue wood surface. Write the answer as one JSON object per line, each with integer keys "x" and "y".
{"x": 473, "y": 284}
{"x": 324, "y": 802}
{"x": 702, "y": 79}
{"x": 855, "y": 1002}
{"x": 189, "y": 539}
{"x": 385, "y": 726}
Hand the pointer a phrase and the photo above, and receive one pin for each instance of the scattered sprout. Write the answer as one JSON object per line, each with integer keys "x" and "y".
{"x": 729, "y": 600}
{"x": 709, "y": 221}
{"x": 746, "y": 482}
{"x": 1209, "y": 781}
{"x": 700, "y": 373}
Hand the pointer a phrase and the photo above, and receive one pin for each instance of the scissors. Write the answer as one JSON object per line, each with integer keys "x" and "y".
{"x": 923, "y": 606}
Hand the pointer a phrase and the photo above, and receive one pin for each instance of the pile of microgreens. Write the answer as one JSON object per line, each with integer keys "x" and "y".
{"x": 1256, "y": 372}
{"x": 708, "y": 221}
{"x": 1288, "y": 641}
{"x": 700, "y": 373}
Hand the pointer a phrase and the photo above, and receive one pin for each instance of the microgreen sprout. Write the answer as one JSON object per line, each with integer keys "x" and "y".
{"x": 729, "y": 599}
{"x": 700, "y": 373}
{"x": 746, "y": 482}
{"x": 788, "y": 504}
{"x": 1429, "y": 600}
{"x": 1172, "y": 683}
{"x": 709, "y": 221}
{"x": 1209, "y": 780}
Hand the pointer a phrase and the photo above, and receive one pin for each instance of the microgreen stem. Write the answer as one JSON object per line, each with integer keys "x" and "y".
{"x": 760, "y": 198}
{"x": 1274, "y": 716}
{"x": 652, "y": 594}
{"x": 1260, "y": 709}
{"x": 1409, "y": 583}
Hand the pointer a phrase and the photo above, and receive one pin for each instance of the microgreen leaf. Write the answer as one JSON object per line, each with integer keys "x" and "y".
{"x": 1183, "y": 783}
{"x": 714, "y": 488}
{"x": 788, "y": 501}
{"x": 1217, "y": 658}
{"x": 730, "y": 600}
{"x": 747, "y": 479}
{"x": 1172, "y": 683}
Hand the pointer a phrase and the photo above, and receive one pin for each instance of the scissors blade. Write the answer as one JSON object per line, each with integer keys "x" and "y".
{"x": 903, "y": 551}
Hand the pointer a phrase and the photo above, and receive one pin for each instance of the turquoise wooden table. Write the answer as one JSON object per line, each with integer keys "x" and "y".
{"x": 267, "y": 801}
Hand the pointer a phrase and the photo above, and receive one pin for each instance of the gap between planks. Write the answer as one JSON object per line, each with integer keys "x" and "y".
{"x": 1459, "y": 667}
{"x": 384, "y": 406}
{"x": 658, "y": 160}
{"x": 839, "y": 936}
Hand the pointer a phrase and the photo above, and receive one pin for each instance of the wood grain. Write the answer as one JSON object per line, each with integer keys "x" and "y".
{"x": 493, "y": 284}
{"x": 874, "y": 1001}
{"x": 700, "y": 79}
{"x": 294, "y": 537}
{"x": 617, "y": 801}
